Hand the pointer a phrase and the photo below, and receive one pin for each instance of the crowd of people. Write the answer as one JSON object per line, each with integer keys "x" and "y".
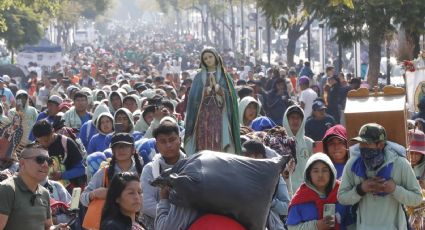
{"x": 115, "y": 116}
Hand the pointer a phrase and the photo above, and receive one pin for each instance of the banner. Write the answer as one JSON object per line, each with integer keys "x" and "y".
{"x": 415, "y": 84}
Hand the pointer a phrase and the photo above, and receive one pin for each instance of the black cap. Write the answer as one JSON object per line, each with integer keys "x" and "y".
{"x": 123, "y": 138}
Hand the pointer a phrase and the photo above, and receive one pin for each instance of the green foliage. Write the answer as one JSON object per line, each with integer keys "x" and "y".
{"x": 23, "y": 27}
{"x": 93, "y": 8}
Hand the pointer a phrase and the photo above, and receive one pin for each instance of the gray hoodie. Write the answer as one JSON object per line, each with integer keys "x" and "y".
{"x": 111, "y": 109}
{"x": 304, "y": 149}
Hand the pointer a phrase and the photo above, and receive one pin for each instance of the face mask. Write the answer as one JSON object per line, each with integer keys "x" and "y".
{"x": 372, "y": 158}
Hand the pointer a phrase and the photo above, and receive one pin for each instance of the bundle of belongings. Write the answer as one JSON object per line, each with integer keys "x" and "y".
{"x": 226, "y": 184}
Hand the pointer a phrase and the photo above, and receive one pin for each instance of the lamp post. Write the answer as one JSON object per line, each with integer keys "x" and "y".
{"x": 242, "y": 30}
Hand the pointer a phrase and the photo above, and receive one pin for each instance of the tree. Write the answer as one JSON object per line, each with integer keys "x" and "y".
{"x": 68, "y": 15}
{"x": 411, "y": 17}
{"x": 93, "y": 8}
{"x": 357, "y": 20}
{"x": 23, "y": 27}
{"x": 288, "y": 15}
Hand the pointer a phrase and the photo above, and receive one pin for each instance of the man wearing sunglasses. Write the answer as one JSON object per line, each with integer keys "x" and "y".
{"x": 24, "y": 204}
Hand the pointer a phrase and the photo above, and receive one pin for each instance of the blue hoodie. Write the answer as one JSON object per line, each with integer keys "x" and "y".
{"x": 146, "y": 149}
{"x": 136, "y": 134}
{"x": 97, "y": 142}
{"x": 88, "y": 129}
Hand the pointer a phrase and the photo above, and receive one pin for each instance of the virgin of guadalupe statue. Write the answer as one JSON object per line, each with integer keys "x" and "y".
{"x": 212, "y": 120}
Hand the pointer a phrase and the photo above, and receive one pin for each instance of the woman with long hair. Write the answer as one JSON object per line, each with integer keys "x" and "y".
{"x": 124, "y": 159}
{"x": 122, "y": 203}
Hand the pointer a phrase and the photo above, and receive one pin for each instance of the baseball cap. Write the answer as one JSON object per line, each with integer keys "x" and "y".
{"x": 318, "y": 105}
{"x": 65, "y": 105}
{"x": 55, "y": 99}
{"x": 123, "y": 138}
{"x": 371, "y": 133}
{"x": 304, "y": 80}
{"x": 1, "y": 80}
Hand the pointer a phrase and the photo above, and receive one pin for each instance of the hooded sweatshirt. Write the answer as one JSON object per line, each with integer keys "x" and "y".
{"x": 136, "y": 134}
{"x": 97, "y": 92}
{"x": 136, "y": 98}
{"x": 72, "y": 119}
{"x": 97, "y": 142}
{"x": 111, "y": 109}
{"x": 304, "y": 148}
{"x": 340, "y": 132}
{"x": 88, "y": 129}
{"x": 306, "y": 207}
{"x": 28, "y": 119}
{"x": 242, "y": 107}
{"x": 141, "y": 125}
{"x": 370, "y": 214}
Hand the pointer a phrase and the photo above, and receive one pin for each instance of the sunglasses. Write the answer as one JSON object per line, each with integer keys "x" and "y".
{"x": 41, "y": 159}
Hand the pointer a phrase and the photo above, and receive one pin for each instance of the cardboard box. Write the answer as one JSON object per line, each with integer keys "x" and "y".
{"x": 386, "y": 109}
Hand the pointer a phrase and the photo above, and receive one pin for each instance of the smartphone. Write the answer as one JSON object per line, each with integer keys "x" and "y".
{"x": 329, "y": 210}
{"x": 75, "y": 199}
{"x": 118, "y": 127}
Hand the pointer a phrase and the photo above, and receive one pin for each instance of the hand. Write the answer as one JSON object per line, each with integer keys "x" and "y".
{"x": 325, "y": 223}
{"x": 160, "y": 113}
{"x": 289, "y": 169}
{"x": 100, "y": 193}
{"x": 372, "y": 185}
{"x": 164, "y": 193}
{"x": 55, "y": 175}
{"x": 388, "y": 186}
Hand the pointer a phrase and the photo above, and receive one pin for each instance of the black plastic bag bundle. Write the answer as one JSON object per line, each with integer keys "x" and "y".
{"x": 226, "y": 184}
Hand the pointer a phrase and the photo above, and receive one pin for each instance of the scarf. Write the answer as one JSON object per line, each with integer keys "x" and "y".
{"x": 306, "y": 195}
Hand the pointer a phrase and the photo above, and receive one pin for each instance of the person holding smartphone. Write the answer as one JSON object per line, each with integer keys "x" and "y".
{"x": 315, "y": 204}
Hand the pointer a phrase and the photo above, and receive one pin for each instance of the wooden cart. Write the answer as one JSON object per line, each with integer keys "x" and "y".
{"x": 387, "y": 108}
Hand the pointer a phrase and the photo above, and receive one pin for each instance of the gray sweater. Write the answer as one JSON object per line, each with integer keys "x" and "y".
{"x": 169, "y": 216}
{"x": 150, "y": 193}
{"x": 97, "y": 181}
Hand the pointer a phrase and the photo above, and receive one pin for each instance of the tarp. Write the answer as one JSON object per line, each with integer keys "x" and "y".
{"x": 44, "y": 53}
{"x": 44, "y": 46}
{"x": 12, "y": 71}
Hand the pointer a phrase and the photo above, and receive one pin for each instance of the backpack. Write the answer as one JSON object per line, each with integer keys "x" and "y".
{"x": 69, "y": 132}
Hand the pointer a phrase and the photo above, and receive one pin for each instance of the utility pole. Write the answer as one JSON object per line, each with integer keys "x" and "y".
{"x": 268, "y": 28}
{"x": 309, "y": 40}
{"x": 257, "y": 46}
{"x": 242, "y": 31}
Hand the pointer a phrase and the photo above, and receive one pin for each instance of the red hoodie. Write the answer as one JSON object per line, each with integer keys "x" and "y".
{"x": 338, "y": 131}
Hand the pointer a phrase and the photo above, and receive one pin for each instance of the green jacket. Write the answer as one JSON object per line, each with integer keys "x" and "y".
{"x": 381, "y": 212}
